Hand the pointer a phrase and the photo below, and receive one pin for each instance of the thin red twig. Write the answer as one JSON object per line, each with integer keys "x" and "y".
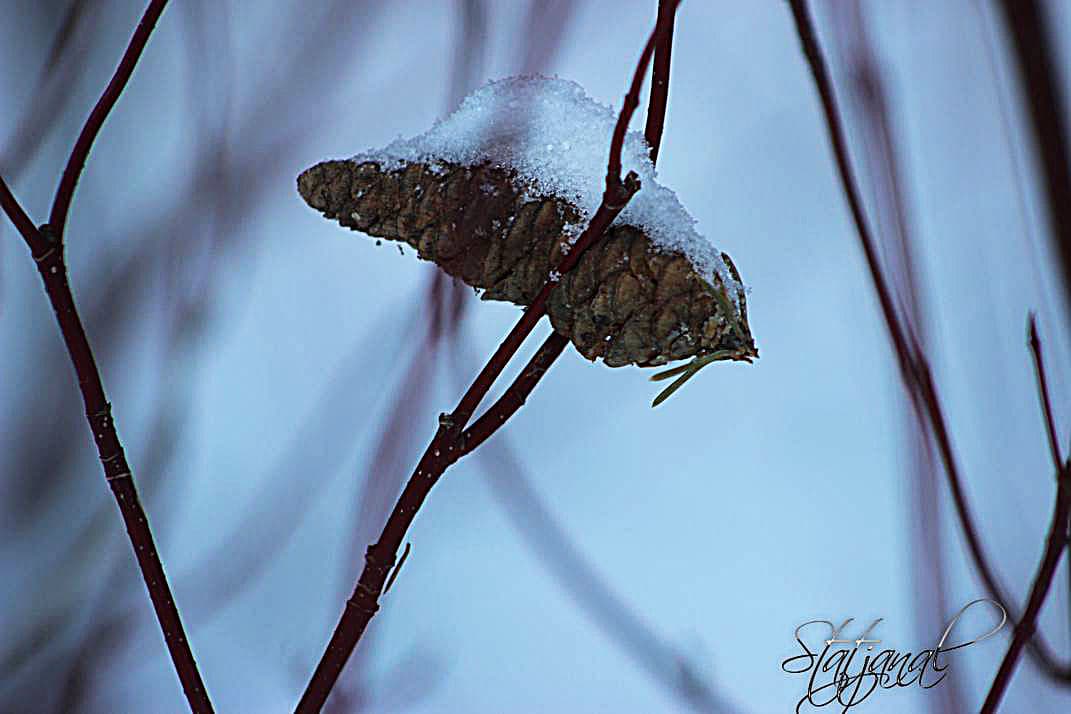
{"x": 662, "y": 34}
{"x": 659, "y": 100}
{"x": 1055, "y": 545}
{"x": 47, "y": 251}
{"x": 616, "y": 194}
{"x": 21, "y": 221}
{"x": 514, "y": 397}
{"x": 117, "y": 472}
{"x": 533, "y": 519}
{"x": 1043, "y": 394}
{"x": 447, "y": 446}
{"x": 57, "y": 217}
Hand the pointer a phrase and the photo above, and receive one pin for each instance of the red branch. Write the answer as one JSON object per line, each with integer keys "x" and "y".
{"x": 22, "y": 222}
{"x": 656, "y": 107}
{"x": 452, "y": 441}
{"x": 1054, "y": 544}
{"x": 1038, "y": 66}
{"x": 514, "y": 397}
{"x": 1043, "y": 394}
{"x": 57, "y": 218}
{"x": 1024, "y": 630}
{"x": 46, "y": 248}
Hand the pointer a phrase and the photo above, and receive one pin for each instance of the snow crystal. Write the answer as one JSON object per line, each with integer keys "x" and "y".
{"x": 557, "y": 139}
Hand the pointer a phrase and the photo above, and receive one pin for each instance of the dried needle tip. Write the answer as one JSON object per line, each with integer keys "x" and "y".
{"x": 685, "y": 372}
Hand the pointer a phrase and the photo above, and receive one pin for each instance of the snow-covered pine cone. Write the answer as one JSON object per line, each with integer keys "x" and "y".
{"x": 625, "y": 302}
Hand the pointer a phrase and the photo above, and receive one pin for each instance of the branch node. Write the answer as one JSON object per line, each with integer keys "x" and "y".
{"x": 101, "y": 420}
{"x": 50, "y": 246}
{"x": 48, "y": 234}
{"x": 618, "y": 193}
{"x": 371, "y": 607}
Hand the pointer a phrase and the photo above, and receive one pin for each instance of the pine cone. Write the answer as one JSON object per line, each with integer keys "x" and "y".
{"x": 625, "y": 301}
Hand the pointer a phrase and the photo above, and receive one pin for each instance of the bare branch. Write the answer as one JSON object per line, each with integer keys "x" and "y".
{"x": 1043, "y": 393}
{"x": 656, "y": 107}
{"x": 515, "y": 396}
{"x": 57, "y": 218}
{"x": 21, "y": 221}
{"x": 47, "y": 250}
{"x": 1055, "y": 545}
{"x": 447, "y": 445}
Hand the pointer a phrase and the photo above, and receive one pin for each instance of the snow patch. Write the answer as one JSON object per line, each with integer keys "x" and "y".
{"x": 557, "y": 140}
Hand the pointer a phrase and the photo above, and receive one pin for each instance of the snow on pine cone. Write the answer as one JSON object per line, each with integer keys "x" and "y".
{"x": 626, "y": 301}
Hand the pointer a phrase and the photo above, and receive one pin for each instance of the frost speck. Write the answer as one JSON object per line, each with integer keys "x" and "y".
{"x": 557, "y": 140}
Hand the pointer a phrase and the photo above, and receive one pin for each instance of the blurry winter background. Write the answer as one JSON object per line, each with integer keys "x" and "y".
{"x": 274, "y": 377}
